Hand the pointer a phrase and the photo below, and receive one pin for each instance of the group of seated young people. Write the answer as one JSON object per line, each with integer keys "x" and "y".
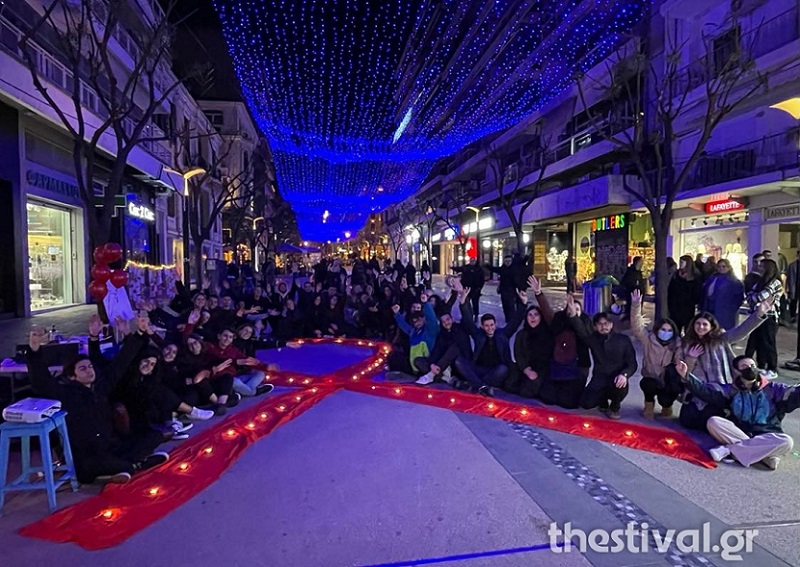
{"x": 120, "y": 410}
{"x": 568, "y": 359}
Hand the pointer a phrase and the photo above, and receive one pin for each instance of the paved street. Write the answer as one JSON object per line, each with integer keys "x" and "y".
{"x": 361, "y": 481}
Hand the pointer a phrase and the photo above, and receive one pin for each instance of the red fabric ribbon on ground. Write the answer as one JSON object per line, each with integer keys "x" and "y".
{"x": 120, "y": 511}
{"x": 643, "y": 437}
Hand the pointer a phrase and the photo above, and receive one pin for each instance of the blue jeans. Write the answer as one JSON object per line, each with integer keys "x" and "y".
{"x": 246, "y": 384}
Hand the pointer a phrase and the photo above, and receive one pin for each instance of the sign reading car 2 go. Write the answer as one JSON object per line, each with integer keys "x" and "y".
{"x": 612, "y": 222}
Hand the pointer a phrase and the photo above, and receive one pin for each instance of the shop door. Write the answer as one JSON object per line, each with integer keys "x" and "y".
{"x": 49, "y": 256}
{"x": 8, "y": 279}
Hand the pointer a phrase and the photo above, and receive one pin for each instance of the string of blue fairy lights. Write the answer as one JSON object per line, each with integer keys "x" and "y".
{"x": 360, "y": 98}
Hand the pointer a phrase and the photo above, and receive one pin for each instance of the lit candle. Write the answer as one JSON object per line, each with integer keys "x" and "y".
{"x": 183, "y": 466}
{"x": 153, "y": 491}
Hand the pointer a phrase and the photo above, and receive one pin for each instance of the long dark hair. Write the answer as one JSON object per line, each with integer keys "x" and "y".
{"x": 690, "y": 337}
{"x": 690, "y": 270}
{"x": 770, "y": 273}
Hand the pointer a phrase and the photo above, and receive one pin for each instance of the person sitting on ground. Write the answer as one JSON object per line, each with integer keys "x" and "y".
{"x": 659, "y": 349}
{"x": 451, "y": 342}
{"x": 706, "y": 348}
{"x": 213, "y": 386}
{"x": 752, "y": 433}
{"x": 564, "y": 384}
{"x": 99, "y": 452}
{"x": 150, "y": 403}
{"x": 490, "y": 363}
{"x": 230, "y": 360}
{"x": 614, "y": 362}
{"x": 533, "y": 352}
{"x": 421, "y": 332}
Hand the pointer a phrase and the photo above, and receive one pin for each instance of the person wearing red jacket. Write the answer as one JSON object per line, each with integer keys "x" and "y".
{"x": 227, "y": 359}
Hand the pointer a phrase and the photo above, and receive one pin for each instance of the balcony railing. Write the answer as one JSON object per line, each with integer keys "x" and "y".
{"x": 763, "y": 39}
{"x": 758, "y": 157}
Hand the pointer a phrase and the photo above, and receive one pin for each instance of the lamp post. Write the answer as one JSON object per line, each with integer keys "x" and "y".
{"x": 477, "y": 211}
{"x": 186, "y": 175}
{"x": 255, "y": 244}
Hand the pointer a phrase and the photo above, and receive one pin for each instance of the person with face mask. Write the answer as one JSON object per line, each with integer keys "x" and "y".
{"x": 752, "y": 432}
{"x": 659, "y": 348}
{"x": 99, "y": 451}
{"x": 614, "y": 362}
{"x": 706, "y": 349}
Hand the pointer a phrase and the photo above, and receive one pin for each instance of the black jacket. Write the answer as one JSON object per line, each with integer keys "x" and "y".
{"x": 613, "y": 354}
{"x": 89, "y": 412}
{"x": 455, "y": 336}
{"x": 472, "y": 276}
{"x": 502, "y": 334}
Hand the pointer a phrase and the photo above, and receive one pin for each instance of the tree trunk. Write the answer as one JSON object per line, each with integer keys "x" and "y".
{"x": 662, "y": 276}
{"x": 198, "y": 257}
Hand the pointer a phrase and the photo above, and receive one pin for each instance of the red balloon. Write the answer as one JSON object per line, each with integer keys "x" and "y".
{"x": 98, "y": 290}
{"x": 119, "y": 278}
{"x": 113, "y": 252}
{"x": 101, "y": 273}
{"x": 100, "y": 255}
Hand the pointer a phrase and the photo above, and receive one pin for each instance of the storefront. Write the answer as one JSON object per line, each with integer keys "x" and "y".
{"x": 139, "y": 240}
{"x": 721, "y": 231}
{"x": 55, "y": 239}
{"x": 601, "y": 246}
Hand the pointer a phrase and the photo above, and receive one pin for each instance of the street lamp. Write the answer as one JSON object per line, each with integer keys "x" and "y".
{"x": 255, "y": 243}
{"x": 477, "y": 211}
{"x": 187, "y": 175}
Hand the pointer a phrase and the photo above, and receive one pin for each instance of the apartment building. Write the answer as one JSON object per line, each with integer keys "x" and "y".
{"x": 43, "y": 219}
{"x": 250, "y": 175}
{"x": 740, "y": 198}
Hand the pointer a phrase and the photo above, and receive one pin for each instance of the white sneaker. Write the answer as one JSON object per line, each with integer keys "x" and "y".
{"x": 719, "y": 453}
{"x": 447, "y": 376}
{"x": 198, "y": 414}
{"x": 179, "y": 427}
{"x": 425, "y": 379}
{"x": 772, "y": 462}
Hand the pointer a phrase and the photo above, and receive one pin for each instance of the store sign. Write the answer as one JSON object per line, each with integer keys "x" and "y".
{"x": 727, "y": 206}
{"x": 141, "y": 212}
{"x": 51, "y": 184}
{"x": 612, "y": 222}
{"x": 784, "y": 212}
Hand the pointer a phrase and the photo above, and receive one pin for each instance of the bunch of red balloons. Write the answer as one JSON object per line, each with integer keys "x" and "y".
{"x": 101, "y": 273}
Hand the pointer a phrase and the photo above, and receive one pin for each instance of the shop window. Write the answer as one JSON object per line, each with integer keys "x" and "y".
{"x": 49, "y": 256}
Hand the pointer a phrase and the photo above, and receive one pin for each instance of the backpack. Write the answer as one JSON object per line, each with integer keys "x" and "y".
{"x": 566, "y": 347}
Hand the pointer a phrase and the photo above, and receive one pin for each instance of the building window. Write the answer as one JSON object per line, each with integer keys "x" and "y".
{"x": 171, "y": 206}
{"x": 9, "y": 38}
{"x": 216, "y": 118}
{"x": 89, "y": 97}
{"x": 727, "y": 50}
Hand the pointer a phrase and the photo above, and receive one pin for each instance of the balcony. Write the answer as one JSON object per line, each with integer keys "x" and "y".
{"x": 766, "y": 38}
{"x": 767, "y": 155}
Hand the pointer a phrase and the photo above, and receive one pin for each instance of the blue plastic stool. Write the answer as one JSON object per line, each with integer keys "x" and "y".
{"x": 41, "y": 430}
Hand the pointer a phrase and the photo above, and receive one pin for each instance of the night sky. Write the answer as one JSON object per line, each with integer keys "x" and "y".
{"x": 200, "y": 40}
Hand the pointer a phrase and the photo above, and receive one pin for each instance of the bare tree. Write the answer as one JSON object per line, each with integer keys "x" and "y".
{"x": 235, "y": 192}
{"x": 517, "y": 199}
{"x": 659, "y": 95}
{"x": 452, "y": 207}
{"x": 109, "y": 108}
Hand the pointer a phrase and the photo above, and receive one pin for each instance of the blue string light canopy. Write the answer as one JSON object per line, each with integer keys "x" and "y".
{"x": 359, "y": 98}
